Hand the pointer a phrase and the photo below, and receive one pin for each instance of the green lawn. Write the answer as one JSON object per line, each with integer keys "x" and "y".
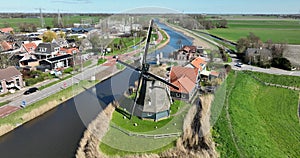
{"x": 287, "y": 31}
{"x": 145, "y": 125}
{"x": 264, "y": 121}
{"x": 286, "y": 80}
{"x": 127, "y": 43}
{"x": 101, "y": 61}
{"x": 116, "y": 142}
{"x": 4, "y": 103}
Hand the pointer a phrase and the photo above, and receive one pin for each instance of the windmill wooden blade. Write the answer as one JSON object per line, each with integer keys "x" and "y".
{"x": 148, "y": 40}
{"x": 129, "y": 66}
{"x": 136, "y": 95}
{"x": 162, "y": 80}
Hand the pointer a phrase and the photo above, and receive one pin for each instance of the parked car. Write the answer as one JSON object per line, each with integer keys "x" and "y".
{"x": 238, "y": 64}
{"x": 30, "y": 90}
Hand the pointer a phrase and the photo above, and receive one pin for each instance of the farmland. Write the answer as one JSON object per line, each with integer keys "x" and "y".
{"x": 278, "y": 30}
{"x": 258, "y": 121}
{"x": 67, "y": 20}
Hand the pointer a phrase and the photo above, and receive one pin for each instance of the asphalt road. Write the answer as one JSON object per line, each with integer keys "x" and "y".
{"x": 39, "y": 95}
{"x": 271, "y": 70}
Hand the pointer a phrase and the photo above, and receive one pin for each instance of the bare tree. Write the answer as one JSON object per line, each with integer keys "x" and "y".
{"x": 6, "y": 61}
{"x": 278, "y": 49}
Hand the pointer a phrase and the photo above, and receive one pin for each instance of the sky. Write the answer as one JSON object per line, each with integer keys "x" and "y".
{"x": 182, "y": 6}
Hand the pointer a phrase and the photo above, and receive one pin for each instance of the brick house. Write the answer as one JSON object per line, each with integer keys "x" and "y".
{"x": 10, "y": 78}
{"x": 186, "y": 79}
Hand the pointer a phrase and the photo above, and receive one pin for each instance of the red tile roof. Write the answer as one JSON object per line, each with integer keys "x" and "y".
{"x": 198, "y": 63}
{"x": 6, "y": 30}
{"x": 214, "y": 73}
{"x": 190, "y": 49}
{"x": 184, "y": 78}
{"x": 69, "y": 50}
{"x": 8, "y": 73}
{"x": 30, "y": 47}
{"x": 5, "y": 45}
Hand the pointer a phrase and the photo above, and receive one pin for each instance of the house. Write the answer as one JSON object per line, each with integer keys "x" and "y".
{"x": 213, "y": 75}
{"x": 186, "y": 53}
{"x": 71, "y": 51}
{"x": 10, "y": 78}
{"x": 85, "y": 45}
{"x": 186, "y": 79}
{"x": 57, "y": 62}
{"x": 61, "y": 42}
{"x": 29, "y": 61}
{"x": 5, "y": 46}
{"x": 46, "y": 50}
{"x": 257, "y": 55}
{"x": 199, "y": 63}
{"x": 28, "y": 48}
{"x": 6, "y": 30}
{"x": 81, "y": 30}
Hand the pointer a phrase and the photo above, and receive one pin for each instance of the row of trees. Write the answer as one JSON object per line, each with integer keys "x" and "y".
{"x": 198, "y": 22}
{"x": 27, "y": 27}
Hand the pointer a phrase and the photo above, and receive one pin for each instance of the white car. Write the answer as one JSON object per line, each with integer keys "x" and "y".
{"x": 238, "y": 64}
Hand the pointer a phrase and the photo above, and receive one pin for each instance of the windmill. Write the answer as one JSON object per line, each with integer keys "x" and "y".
{"x": 152, "y": 99}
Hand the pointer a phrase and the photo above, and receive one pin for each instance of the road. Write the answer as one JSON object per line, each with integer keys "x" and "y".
{"x": 34, "y": 97}
{"x": 271, "y": 70}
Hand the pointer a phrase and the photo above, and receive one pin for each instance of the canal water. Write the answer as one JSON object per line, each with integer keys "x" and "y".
{"x": 176, "y": 41}
{"x": 58, "y": 132}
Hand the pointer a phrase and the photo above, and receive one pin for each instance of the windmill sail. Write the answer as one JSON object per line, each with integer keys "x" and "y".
{"x": 152, "y": 99}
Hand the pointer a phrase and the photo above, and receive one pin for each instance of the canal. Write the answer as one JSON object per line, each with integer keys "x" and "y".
{"x": 57, "y": 133}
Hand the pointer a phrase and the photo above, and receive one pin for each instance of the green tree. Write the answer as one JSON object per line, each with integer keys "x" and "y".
{"x": 48, "y": 36}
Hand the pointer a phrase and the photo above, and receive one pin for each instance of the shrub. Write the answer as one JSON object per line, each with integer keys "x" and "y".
{"x": 101, "y": 61}
{"x": 68, "y": 70}
{"x": 281, "y": 63}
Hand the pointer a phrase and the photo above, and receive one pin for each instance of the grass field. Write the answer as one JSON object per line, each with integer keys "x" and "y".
{"x": 286, "y": 80}
{"x": 287, "y": 31}
{"x": 116, "y": 142}
{"x": 67, "y": 20}
{"x": 264, "y": 120}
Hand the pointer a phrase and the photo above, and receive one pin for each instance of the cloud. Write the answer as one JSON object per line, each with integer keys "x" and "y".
{"x": 72, "y": 1}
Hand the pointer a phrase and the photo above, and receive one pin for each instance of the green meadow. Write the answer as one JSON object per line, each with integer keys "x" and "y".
{"x": 257, "y": 120}
{"x": 279, "y": 30}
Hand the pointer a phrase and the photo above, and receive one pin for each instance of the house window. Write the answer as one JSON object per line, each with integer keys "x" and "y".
{"x": 1, "y": 89}
{"x": 42, "y": 49}
{"x": 18, "y": 81}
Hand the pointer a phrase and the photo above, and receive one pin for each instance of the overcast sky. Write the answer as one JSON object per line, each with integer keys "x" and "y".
{"x": 186, "y": 6}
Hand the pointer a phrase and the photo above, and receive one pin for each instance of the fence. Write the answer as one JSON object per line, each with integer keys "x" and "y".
{"x": 271, "y": 84}
{"x": 154, "y": 136}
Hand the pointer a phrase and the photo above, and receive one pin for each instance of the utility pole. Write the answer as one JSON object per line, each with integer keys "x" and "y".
{"x": 59, "y": 21}
{"x": 41, "y": 17}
